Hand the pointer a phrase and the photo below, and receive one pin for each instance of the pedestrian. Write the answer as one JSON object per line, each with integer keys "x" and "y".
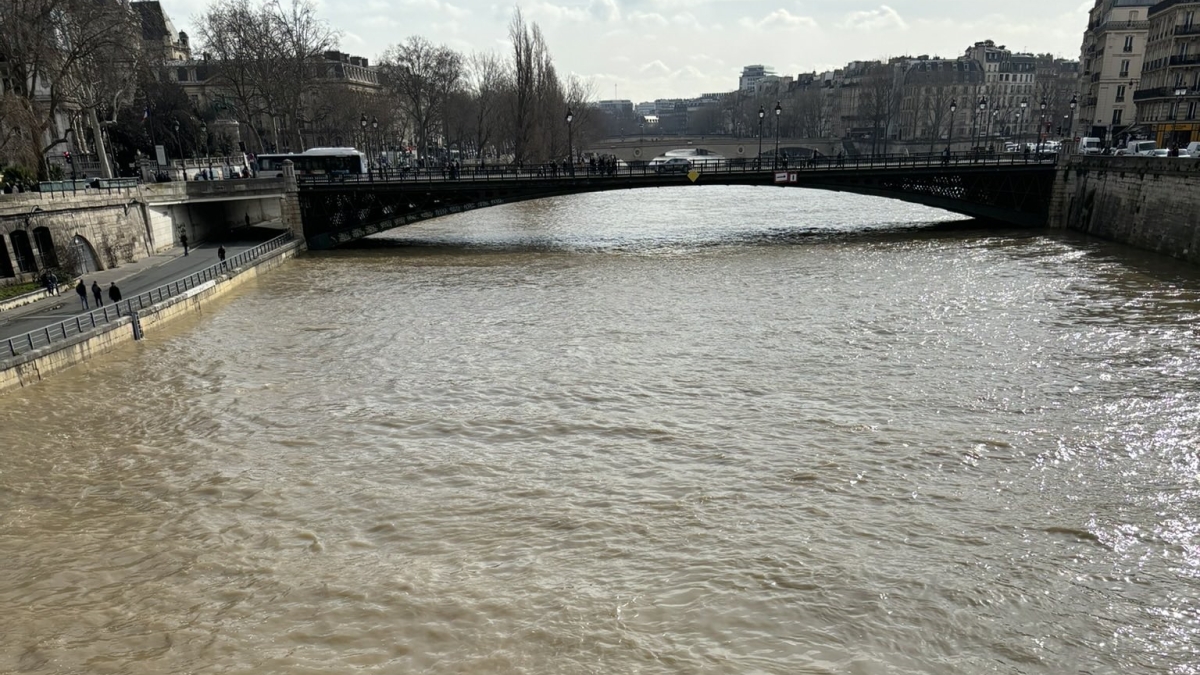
{"x": 114, "y": 293}
{"x": 82, "y": 291}
{"x": 247, "y": 215}
{"x": 52, "y": 279}
{"x": 221, "y": 255}
{"x": 183, "y": 240}
{"x": 97, "y": 293}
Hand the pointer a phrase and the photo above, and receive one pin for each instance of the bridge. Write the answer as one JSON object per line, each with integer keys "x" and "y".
{"x": 1008, "y": 189}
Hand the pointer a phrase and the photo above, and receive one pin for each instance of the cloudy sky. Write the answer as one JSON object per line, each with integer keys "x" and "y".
{"x": 647, "y": 49}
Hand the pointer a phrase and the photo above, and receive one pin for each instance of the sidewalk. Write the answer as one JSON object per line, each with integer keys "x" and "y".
{"x": 132, "y": 278}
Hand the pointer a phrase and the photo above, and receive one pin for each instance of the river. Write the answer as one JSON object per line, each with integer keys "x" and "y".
{"x": 723, "y": 431}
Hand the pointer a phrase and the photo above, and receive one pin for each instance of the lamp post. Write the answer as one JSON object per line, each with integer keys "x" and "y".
{"x": 950, "y": 136}
{"x": 179, "y": 146}
{"x": 1022, "y": 119}
{"x": 1071, "y": 122}
{"x": 778, "y": 112}
{"x": 762, "y": 115}
{"x": 570, "y": 141}
{"x": 979, "y": 127}
{"x": 207, "y": 152}
{"x": 375, "y": 133}
{"x": 1040, "y": 127}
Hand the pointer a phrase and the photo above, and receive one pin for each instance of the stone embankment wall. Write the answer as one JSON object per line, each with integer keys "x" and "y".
{"x": 1152, "y": 203}
{"x": 35, "y": 366}
{"x": 100, "y": 229}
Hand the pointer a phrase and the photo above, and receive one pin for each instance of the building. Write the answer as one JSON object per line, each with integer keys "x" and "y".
{"x": 617, "y": 108}
{"x": 752, "y": 74}
{"x": 159, "y": 37}
{"x": 1113, "y": 52}
{"x": 1169, "y": 89}
{"x": 937, "y": 100}
{"x": 343, "y": 80}
{"x": 1009, "y": 80}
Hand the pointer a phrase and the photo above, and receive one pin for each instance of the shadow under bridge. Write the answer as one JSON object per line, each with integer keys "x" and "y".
{"x": 1005, "y": 190}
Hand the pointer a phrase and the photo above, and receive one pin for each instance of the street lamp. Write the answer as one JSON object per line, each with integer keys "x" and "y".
{"x": 1040, "y": 126}
{"x": 778, "y": 112}
{"x": 207, "y": 152}
{"x": 375, "y": 133}
{"x": 1021, "y": 120}
{"x": 1071, "y": 122}
{"x": 179, "y": 146}
{"x": 762, "y": 114}
{"x": 570, "y": 141}
{"x": 979, "y": 127}
{"x": 950, "y": 136}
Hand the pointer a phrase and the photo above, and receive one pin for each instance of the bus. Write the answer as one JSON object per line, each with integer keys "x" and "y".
{"x": 315, "y": 162}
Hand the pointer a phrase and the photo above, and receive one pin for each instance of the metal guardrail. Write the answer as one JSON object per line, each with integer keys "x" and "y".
{"x": 718, "y": 166}
{"x": 107, "y": 314}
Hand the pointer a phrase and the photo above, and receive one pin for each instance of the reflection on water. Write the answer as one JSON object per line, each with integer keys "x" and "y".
{"x": 674, "y": 431}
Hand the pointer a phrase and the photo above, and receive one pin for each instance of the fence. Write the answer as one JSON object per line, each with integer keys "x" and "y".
{"x": 64, "y": 330}
{"x": 699, "y": 163}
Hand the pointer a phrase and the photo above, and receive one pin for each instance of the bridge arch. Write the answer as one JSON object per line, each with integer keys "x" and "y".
{"x": 336, "y": 213}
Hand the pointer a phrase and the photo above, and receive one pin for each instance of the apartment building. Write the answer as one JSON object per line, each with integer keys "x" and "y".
{"x": 1169, "y": 90}
{"x": 1113, "y": 52}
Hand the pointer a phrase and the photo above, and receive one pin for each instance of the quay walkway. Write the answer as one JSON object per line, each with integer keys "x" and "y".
{"x": 132, "y": 279}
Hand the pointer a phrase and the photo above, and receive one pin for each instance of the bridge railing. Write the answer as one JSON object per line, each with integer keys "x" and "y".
{"x": 64, "y": 330}
{"x": 587, "y": 170}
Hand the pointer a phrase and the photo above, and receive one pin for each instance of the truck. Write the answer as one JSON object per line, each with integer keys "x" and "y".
{"x": 1090, "y": 145}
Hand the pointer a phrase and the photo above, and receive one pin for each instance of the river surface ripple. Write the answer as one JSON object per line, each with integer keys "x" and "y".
{"x": 673, "y": 431}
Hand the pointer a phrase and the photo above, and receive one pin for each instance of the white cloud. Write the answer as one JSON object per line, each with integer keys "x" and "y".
{"x": 874, "y": 19}
{"x": 779, "y": 19}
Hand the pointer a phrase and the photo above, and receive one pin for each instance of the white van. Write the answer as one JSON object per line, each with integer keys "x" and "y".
{"x": 1193, "y": 149}
{"x": 1089, "y": 145}
{"x": 1144, "y": 148}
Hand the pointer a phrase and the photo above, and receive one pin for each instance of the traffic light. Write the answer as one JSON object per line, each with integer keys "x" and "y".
{"x": 1060, "y": 130}
{"x": 67, "y": 157}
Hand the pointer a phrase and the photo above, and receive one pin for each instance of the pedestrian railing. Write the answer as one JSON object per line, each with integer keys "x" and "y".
{"x": 699, "y": 163}
{"x": 65, "y": 330}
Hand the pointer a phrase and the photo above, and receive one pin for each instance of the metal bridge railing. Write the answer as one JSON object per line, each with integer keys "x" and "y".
{"x": 714, "y": 166}
{"x": 107, "y": 314}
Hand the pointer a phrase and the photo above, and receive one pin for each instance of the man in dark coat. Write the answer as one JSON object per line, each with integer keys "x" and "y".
{"x": 114, "y": 293}
{"x": 97, "y": 293}
{"x": 82, "y": 291}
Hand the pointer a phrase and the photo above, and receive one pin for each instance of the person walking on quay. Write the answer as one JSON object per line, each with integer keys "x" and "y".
{"x": 98, "y": 293}
{"x": 114, "y": 293}
{"x": 82, "y": 291}
{"x": 53, "y": 280}
{"x": 221, "y": 255}
{"x": 183, "y": 240}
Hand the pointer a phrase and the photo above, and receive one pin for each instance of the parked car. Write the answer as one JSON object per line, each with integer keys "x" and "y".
{"x": 674, "y": 165}
{"x": 1090, "y": 145}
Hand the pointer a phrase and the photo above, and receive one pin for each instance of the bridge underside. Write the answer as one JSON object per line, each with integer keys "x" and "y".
{"x": 337, "y": 214}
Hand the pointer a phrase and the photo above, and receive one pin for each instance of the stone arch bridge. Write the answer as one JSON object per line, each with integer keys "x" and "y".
{"x": 1011, "y": 190}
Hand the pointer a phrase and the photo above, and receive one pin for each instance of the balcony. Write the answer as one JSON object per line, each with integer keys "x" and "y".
{"x": 1193, "y": 29}
{"x": 1123, "y": 25}
{"x": 1189, "y": 60}
{"x": 1162, "y": 92}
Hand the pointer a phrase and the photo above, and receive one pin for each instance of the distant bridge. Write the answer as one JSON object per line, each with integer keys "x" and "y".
{"x": 1010, "y": 189}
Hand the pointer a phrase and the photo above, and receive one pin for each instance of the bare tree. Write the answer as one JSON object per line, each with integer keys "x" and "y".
{"x": 46, "y": 46}
{"x": 421, "y": 77}
{"x": 487, "y": 80}
{"x": 880, "y": 102}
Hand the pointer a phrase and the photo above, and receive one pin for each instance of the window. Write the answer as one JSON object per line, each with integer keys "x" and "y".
{"x": 181, "y": 75}
{"x": 1120, "y": 93}
{"x": 1125, "y": 68}
{"x": 1117, "y": 117}
{"x": 1128, "y": 43}
{"x": 1192, "y": 110}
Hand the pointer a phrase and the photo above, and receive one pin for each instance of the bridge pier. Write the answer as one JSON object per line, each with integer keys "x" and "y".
{"x": 289, "y": 205}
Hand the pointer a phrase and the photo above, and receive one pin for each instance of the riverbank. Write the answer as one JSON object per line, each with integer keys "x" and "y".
{"x": 30, "y": 367}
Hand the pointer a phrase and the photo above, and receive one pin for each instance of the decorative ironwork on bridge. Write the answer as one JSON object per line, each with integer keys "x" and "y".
{"x": 1007, "y": 189}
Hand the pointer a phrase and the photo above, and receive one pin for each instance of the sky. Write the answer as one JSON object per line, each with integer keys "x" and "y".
{"x": 647, "y": 49}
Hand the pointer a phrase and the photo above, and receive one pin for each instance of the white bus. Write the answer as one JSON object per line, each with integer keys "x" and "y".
{"x": 315, "y": 162}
